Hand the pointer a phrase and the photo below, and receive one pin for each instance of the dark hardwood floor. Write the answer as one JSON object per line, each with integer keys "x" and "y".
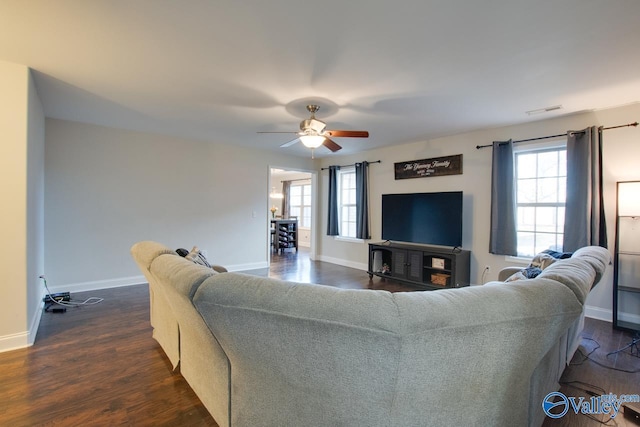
{"x": 98, "y": 365}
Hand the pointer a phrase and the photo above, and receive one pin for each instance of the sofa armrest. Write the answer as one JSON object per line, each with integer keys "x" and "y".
{"x": 507, "y": 272}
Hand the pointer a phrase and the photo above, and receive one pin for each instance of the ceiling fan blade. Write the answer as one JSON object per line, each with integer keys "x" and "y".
{"x": 290, "y": 143}
{"x": 331, "y": 145}
{"x": 347, "y": 133}
{"x": 276, "y": 132}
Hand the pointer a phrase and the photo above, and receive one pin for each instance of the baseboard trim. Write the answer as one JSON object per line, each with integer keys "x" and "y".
{"x": 99, "y": 284}
{"x": 15, "y": 341}
{"x": 628, "y": 317}
{"x": 134, "y": 280}
{"x": 35, "y": 321}
{"x": 26, "y": 338}
{"x": 598, "y": 313}
{"x": 344, "y": 263}
{"x": 607, "y": 315}
{"x": 248, "y": 266}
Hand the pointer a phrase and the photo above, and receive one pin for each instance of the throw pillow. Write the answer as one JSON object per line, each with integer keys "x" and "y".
{"x": 539, "y": 262}
{"x": 526, "y": 273}
{"x": 196, "y": 256}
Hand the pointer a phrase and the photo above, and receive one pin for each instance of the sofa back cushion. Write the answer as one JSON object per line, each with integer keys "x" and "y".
{"x": 180, "y": 277}
{"x": 580, "y": 272}
{"x": 305, "y": 354}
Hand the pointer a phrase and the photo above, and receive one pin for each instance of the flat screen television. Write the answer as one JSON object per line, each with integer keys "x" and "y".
{"x": 429, "y": 218}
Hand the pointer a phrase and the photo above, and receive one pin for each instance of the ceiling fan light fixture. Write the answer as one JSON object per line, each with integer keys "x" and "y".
{"x": 275, "y": 194}
{"x": 312, "y": 141}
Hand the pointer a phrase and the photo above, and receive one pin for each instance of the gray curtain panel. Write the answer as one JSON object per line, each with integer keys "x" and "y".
{"x": 584, "y": 223}
{"x": 333, "y": 226}
{"x": 286, "y": 203}
{"x": 362, "y": 200}
{"x": 503, "y": 238}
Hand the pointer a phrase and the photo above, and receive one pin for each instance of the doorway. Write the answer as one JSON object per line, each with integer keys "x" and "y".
{"x": 292, "y": 195}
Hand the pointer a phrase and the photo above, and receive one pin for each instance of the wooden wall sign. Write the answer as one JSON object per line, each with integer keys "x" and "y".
{"x": 437, "y": 166}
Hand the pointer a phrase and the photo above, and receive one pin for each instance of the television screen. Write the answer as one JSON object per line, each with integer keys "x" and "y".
{"x": 431, "y": 218}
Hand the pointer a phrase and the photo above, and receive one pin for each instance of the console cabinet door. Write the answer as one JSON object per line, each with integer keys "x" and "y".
{"x": 414, "y": 267}
{"x": 407, "y": 265}
{"x": 399, "y": 264}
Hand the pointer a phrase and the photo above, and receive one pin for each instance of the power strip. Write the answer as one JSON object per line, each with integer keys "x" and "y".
{"x": 61, "y": 296}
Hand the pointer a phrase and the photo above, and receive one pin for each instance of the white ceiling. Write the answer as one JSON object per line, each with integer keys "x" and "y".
{"x": 405, "y": 71}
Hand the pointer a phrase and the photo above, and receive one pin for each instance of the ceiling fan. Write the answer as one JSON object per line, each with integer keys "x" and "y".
{"x": 313, "y": 133}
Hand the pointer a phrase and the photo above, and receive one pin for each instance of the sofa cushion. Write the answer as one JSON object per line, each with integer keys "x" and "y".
{"x": 146, "y": 251}
{"x": 361, "y": 357}
{"x": 197, "y": 257}
{"x": 180, "y": 274}
{"x": 574, "y": 274}
{"x": 525, "y": 273}
{"x": 539, "y": 262}
{"x": 580, "y": 272}
{"x": 598, "y": 257}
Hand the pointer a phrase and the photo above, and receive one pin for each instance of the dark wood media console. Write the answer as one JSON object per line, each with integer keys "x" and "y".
{"x": 427, "y": 267}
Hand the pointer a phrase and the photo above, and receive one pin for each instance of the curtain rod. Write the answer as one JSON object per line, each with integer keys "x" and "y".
{"x": 561, "y": 134}
{"x": 344, "y": 166}
{"x": 299, "y": 179}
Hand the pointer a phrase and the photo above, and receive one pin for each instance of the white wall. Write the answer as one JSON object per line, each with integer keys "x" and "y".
{"x": 35, "y": 206}
{"x": 109, "y": 188}
{"x": 621, "y": 156}
{"x": 21, "y": 189}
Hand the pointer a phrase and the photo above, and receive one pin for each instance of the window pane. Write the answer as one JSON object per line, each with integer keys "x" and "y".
{"x": 562, "y": 163}
{"x": 352, "y": 214}
{"x": 548, "y": 164}
{"x": 294, "y": 191}
{"x": 347, "y": 203}
{"x": 525, "y": 244}
{"x": 306, "y": 216}
{"x": 546, "y": 219}
{"x": 562, "y": 189}
{"x": 560, "y": 220}
{"x": 526, "y": 219}
{"x": 545, "y": 241}
{"x": 294, "y": 211}
{"x": 526, "y": 191}
{"x": 540, "y": 195}
{"x": 547, "y": 190}
{"x": 526, "y": 164}
{"x": 351, "y": 230}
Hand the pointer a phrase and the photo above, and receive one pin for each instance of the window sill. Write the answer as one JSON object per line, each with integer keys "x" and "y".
{"x": 518, "y": 259}
{"x": 348, "y": 239}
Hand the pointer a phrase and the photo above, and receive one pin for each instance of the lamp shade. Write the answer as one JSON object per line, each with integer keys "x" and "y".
{"x": 629, "y": 198}
{"x": 312, "y": 141}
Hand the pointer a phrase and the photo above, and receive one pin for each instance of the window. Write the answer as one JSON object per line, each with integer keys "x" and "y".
{"x": 541, "y": 176}
{"x": 300, "y": 203}
{"x": 347, "y": 202}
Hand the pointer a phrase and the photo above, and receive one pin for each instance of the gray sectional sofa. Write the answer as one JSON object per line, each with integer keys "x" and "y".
{"x": 264, "y": 352}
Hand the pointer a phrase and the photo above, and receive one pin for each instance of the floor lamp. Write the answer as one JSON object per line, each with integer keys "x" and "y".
{"x": 628, "y": 212}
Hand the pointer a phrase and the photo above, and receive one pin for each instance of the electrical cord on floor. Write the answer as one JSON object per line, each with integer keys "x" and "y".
{"x": 588, "y": 357}
{"x": 593, "y": 390}
{"x": 52, "y": 300}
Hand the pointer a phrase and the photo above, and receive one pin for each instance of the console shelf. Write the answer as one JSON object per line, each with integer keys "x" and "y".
{"x": 427, "y": 267}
